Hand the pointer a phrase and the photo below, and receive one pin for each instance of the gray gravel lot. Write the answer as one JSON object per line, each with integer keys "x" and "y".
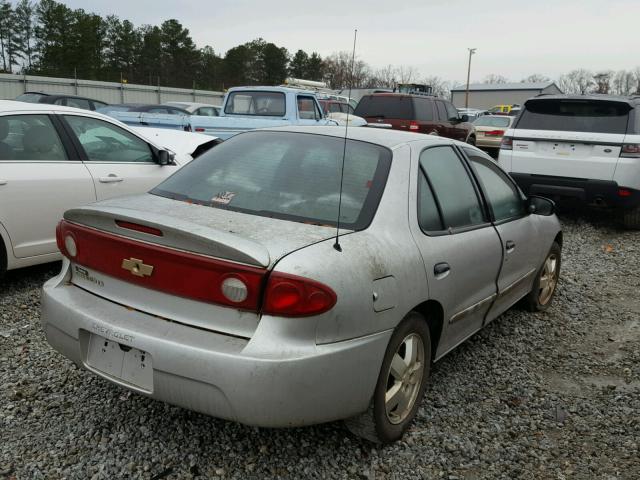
{"x": 552, "y": 395}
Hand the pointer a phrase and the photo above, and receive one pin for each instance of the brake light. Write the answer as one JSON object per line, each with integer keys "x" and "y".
{"x": 494, "y": 133}
{"x": 413, "y": 125}
{"x": 139, "y": 228}
{"x": 292, "y": 296}
{"x": 631, "y": 150}
{"x": 624, "y": 192}
{"x": 199, "y": 129}
{"x": 168, "y": 270}
{"x": 507, "y": 143}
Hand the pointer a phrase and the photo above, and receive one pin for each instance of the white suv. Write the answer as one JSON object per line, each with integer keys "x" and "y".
{"x": 582, "y": 146}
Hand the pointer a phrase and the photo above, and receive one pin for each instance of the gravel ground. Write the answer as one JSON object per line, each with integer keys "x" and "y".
{"x": 553, "y": 395}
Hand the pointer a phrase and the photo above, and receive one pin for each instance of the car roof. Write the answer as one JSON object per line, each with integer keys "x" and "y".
{"x": 271, "y": 89}
{"x": 14, "y": 106}
{"x": 631, "y": 99}
{"x": 386, "y": 137}
{"x": 60, "y": 95}
{"x": 397, "y": 94}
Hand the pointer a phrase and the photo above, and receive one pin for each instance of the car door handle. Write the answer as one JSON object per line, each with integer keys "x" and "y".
{"x": 111, "y": 179}
{"x": 441, "y": 270}
{"x": 510, "y": 246}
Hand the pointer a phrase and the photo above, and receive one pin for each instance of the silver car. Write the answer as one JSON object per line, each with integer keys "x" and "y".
{"x": 227, "y": 291}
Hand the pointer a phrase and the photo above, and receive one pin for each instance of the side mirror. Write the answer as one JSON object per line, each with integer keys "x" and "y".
{"x": 164, "y": 157}
{"x": 541, "y": 206}
{"x": 464, "y": 118}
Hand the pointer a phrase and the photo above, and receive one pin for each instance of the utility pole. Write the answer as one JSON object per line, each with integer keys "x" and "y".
{"x": 466, "y": 97}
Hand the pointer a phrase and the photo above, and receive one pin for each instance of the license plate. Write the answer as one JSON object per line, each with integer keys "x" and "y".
{"x": 121, "y": 362}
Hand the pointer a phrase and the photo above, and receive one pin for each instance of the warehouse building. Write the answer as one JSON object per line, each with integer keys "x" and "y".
{"x": 486, "y": 95}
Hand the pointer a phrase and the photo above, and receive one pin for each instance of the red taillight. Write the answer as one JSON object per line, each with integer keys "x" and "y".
{"x": 624, "y": 192}
{"x": 507, "y": 143}
{"x": 494, "y": 133}
{"x": 139, "y": 228}
{"x": 199, "y": 129}
{"x": 292, "y": 296}
{"x": 413, "y": 125}
{"x": 631, "y": 150}
{"x": 167, "y": 270}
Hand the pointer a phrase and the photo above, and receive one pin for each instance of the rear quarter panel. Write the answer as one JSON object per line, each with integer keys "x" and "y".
{"x": 382, "y": 259}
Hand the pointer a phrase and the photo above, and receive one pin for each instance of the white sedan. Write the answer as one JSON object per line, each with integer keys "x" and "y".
{"x": 53, "y": 158}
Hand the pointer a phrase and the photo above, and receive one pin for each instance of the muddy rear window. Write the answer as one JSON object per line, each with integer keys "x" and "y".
{"x": 291, "y": 176}
{"x": 386, "y": 106}
{"x": 575, "y": 116}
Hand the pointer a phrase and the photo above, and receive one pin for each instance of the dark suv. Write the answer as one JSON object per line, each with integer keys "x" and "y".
{"x": 416, "y": 113}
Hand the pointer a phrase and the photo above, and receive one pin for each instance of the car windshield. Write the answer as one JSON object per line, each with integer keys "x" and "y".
{"x": 255, "y": 103}
{"x": 492, "y": 121}
{"x": 575, "y": 116}
{"x": 386, "y": 106}
{"x": 291, "y": 176}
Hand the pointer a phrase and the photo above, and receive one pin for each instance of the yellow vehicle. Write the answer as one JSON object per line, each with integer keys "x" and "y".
{"x": 503, "y": 109}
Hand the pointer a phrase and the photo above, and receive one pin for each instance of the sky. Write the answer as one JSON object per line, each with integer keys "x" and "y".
{"x": 513, "y": 38}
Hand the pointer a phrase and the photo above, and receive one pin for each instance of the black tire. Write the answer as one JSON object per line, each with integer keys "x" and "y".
{"x": 631, "y": 218}
{"x": 375, "y": 424}
{"x": 471, "y": 140}
{"x": 535, "y": 301}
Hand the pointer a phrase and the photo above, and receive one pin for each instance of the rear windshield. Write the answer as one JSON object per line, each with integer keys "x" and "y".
{"x": 575, "y": 116}
{"x": 29, "y": 97}
{"x": 386, "y": 106}
{"x": 492, "y": 121}
{"x": 291, "y": 176}
{"x": 256, "y": 103}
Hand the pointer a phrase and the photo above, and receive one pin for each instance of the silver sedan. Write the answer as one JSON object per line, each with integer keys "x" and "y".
{"x": 232, "y": 288}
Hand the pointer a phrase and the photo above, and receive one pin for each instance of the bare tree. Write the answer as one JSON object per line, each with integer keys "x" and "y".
{"x": 535, "y": 78}
{"x": 441, "y": 88}
{"x": 493, "y": 78}
{"x": 576, "y": 81}
{"x": 406, "y": 74}
{"x": 603, "y": 82}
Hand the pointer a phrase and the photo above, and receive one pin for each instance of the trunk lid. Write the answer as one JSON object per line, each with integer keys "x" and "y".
{"x": 174, "y": 268}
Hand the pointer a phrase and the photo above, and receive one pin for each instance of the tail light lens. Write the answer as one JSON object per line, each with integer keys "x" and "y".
{"x": 507, "y": 143}
{"x": 292, "y": 296}
{"x": 199, "y": 130}
{"x": 624, "y": 192}
{"x": 631, "y": 150}
{"x": 413, "y": 125}
{"x": 494, "y": 133}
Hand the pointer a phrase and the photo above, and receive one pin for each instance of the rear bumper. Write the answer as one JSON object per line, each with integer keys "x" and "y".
{"x": 488, "y": 142}
{"x": 268, "y": 381}
{"x": 592, "y": 192}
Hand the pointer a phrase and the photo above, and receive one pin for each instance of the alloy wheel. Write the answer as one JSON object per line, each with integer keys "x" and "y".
{"x": 548, "y": 279}
{"x": 404, "y": 378}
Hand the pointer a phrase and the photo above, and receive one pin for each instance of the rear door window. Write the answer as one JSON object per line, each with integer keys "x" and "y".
{"x": 453, "y": 188}
{"x": 597, "y": 116}
{"x": 442, "y": 111}
{"x": 424, "y": 109}
{"x": 29, "y": 137}
{"x": 386, "y": 106}
{"x": 452, "y": 112}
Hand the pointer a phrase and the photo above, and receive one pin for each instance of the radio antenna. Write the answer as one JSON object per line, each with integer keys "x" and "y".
{"x": 336, "y": 245}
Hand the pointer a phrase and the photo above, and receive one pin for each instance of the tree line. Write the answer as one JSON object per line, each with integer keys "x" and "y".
{"x": 48, "y": 38}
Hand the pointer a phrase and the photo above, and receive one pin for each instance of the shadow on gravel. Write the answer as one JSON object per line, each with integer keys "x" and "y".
{"x": 26, "y": 277}
{"x": 597, "y": 217}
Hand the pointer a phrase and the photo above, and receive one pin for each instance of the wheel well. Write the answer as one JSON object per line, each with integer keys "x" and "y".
{"x": 558, "y": 239}
{"x": 4, "y": 257}
{"x": 432, "y": 311}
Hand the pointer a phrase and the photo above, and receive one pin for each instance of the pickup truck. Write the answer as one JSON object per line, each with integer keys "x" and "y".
{"x": 247, "y": 108}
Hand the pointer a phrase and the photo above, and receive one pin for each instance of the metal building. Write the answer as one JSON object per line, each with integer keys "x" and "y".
{"x": 486, "y": 95}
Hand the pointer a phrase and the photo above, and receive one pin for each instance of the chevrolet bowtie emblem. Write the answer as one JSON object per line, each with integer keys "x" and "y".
{"x": 137, "y": 267}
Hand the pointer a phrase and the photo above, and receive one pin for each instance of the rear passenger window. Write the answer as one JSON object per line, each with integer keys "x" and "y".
{"x": 78, "y": 103}
{"x": 428, "y": 215}
{"x": 424, "y": 109}
{"x": 452, "y": 112}
{"x": 503, "y": 196}
{"x": 453, "y": 188}
{"x": 442, "y": 112}
{"x": 29, "y": 137}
